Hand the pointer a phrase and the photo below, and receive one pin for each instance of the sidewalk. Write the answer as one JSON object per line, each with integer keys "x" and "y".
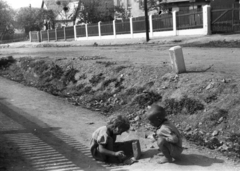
{"x": 74, "y": 125}
{"x": 158, "y": 40}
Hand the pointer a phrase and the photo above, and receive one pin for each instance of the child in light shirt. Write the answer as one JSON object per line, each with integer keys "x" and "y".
{"x": 103, "y": 139}
{"x": 168, "y": 137}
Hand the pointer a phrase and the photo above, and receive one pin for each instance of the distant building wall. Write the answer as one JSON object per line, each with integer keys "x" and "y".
{"x": 135, "y": 8}
{"x": 223, "y": 3}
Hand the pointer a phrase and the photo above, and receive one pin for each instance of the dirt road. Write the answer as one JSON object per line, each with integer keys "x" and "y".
{"x": 63, "y": 131}
{"x": 196, "y": 59}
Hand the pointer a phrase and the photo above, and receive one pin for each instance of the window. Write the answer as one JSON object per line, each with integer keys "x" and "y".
{"x": 140, "y": 4}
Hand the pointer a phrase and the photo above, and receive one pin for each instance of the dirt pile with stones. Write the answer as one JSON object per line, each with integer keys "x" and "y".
{"x": 203, "y": 105}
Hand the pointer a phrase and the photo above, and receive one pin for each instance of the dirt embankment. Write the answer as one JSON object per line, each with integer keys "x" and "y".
{"x": 203, "y": 105}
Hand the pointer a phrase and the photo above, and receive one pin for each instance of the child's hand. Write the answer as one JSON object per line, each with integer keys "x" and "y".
{"x": 120, "y": 154}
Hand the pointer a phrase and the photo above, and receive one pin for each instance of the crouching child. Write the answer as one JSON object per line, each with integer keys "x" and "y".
{"x": 168, "y": 137}
{"x": 103, "y": 140}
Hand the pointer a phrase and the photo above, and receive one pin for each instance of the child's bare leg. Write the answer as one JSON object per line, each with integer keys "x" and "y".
{"x": 164, "y": 146}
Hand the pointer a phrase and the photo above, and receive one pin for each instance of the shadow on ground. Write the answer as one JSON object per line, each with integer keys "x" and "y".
{"x": 26, "y": 146}
{"x": 197, "y": 160}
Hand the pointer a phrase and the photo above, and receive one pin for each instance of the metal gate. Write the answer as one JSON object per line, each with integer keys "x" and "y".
{"x": 225, "y": 20}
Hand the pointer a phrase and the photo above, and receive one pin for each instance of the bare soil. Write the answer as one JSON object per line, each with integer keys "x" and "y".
{"x": 203, "y": 102}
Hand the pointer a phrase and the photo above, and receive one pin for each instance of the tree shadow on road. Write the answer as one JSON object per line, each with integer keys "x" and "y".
{"x": 36, "y": 145}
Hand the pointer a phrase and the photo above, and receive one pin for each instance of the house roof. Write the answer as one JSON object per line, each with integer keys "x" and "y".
{"x": 57, "y": 9}
{"x": 52, "y": 5}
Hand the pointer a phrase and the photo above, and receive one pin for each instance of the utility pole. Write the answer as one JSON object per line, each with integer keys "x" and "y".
{"x": 146, "y": 20}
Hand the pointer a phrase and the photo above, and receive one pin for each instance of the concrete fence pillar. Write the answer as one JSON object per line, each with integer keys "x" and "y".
{"x": 48, "y": 35}
{"x": 56, "y": 35}
{"x": 99, "y": 29}
{"x": 174, "y": 15}
{"x": 41, "y": 35}
{"x": 114, "y": 29}
{"x": 86, "y": 28}
{"x": 207, "y": 19}
{"x": 75, "y": 32}
{"x": 30, "y": 36}
{"x": 151, "y": 25}
{"x": 38, "y": 37}
{"x": 177, "y": 59}
{"x": 131, "y": 26}
{"x": 64, "y": 33}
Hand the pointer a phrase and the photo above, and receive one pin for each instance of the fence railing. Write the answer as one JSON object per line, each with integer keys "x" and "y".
{"x": 165, "y": 24}
{"x": 52, "y": 35}
{"x": 17, "y": 37}
{"x": 107, "y": 28}
{"x": 189, "y": 20}
{"x": 69, "y": 33}
{"x": 139, "y": 25}
{"x": 93, "y": 30}
{"x": 81, "y": 31}
{"x": 123, "y": 27}
{"x": 162, "y": 22}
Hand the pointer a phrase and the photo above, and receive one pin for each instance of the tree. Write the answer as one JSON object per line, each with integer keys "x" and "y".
{"x": 64, "y": 10}
{"x": 31, "y": 19}
{"x": 6, "y": 20}
{"x": 158, "y": 5}
{"x": 120, "y": 13}
{"x": 92, "y": 13}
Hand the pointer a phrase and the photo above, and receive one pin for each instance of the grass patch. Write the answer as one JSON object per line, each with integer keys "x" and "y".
{"x": 185, "y": 105}
{"x": 96, "y": 79}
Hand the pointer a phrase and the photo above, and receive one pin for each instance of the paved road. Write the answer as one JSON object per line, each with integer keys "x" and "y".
{"x": 51, "y": 135}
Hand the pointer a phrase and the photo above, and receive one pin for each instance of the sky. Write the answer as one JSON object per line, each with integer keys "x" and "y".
{"x": 15, "y": 4}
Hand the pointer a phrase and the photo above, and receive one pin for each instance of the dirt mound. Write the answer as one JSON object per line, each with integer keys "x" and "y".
{"x": 203, "y": 105}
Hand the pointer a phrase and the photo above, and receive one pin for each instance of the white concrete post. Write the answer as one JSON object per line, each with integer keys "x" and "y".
{"x": 131, "y": 26}
{"x": 75, "y": 32}
{"x": 114, "y": 29}
{"x": 64, "y": 33}
{"x": 41, "y": 35}
{"x": 48, "y": 35}
{"x": 30, "y": 36}
{"x": 174, "y": 15}
{"x": 150, "y": 25}
{"x": 99, "y": 29}
{"x": 86, "y": 28}
{"x": 207, "y": 19}
{"x": 177, "y": 59}
{"x": 56, "y": 35}
{"x": 38, "y": 40}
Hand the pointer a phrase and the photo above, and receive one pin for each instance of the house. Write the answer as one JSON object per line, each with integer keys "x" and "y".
{"x": 223, "y": 3}
{"x": 67, "y": 11}
{"x": 186, "y": 5}
{"x": 63, "y": 9}
{"x": 135, "y": 8}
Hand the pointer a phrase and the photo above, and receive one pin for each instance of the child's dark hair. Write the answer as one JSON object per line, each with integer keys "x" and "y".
{"x": 118, "y": 121}
{"x": 156, "y": 110}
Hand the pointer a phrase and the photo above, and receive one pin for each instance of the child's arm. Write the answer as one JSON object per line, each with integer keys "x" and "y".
{"x": 105, "y": 151}
{"x": 172, "y": 138}
{"x": 168, "y": 135}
